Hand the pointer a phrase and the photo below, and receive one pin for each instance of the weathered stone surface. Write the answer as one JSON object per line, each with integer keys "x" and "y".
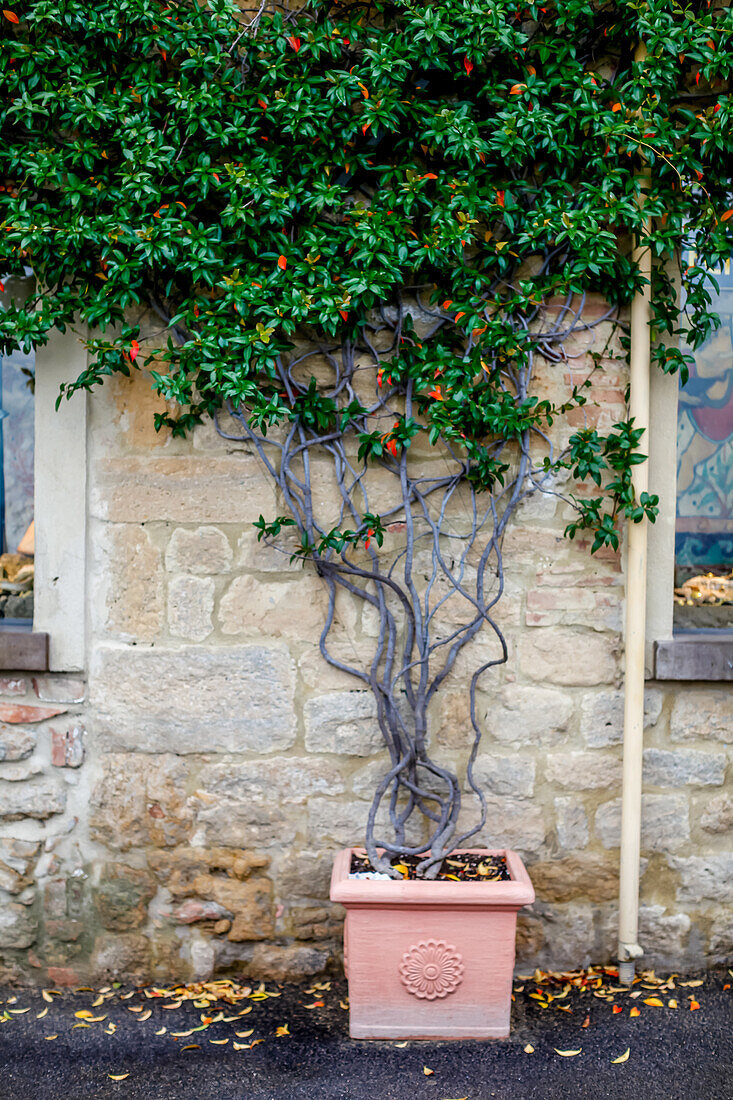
{"x": 123, "y": 956}
{"x": 339, "y": 823}
{"x": 67, "y": 747}
{"x": 683, "y": 767}
{"x": 16, "y": 744}
{"x": 344, "y": 723}
{"x": 260, "y": 557}
{"x": 59, "y": 689}
{"x": 183, "y": 489}
{"x": 584, "y": 771}
{"x": 190, "y": 607}
{"x": 602, "y": 716}
{"x": 17, "y": 713}
{"x": 18, "y": 926}
{"x": 512, "y": 823}
{"x": 718, "y": 815}
{"x": 251, "y": 606}
{"x": 16, "y": 861}
{"x": 665, "y": 934}
{"x": 512, "y": 775}
{"x": 588, "y": 876}
{"x": 177, "y": 869}
{"x": 193, "y": 910}
{"x": 12, "y": 685}
{"x": 569, "y": 935}
{"x": 20, "y": 770}
{"x": 202, "y": 550}
{"x": 572, "y": 824}
{"x": 140, "y": 801}
{"x": 303, "y": 874}
{"x": 122, "y": 896}
{"x": 36, "y": 798}
{"x": 233, "y": 699}
{"x": 530, "y": 937}
{"x": 664, "y": 822}
{"x": 721, "y": 940}
{"x": 131, "y": 583}
{"x": 286, "y": 963}
{"x": 248, "y": 902}
{"x": 702, "y": 715}
{"x": 572, "y": 658}
{"x": 704, "y": 878}
{"x": 526, "y": 715}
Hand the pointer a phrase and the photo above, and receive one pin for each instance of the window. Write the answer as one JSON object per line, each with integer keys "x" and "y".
{"x": 17, "y": 413}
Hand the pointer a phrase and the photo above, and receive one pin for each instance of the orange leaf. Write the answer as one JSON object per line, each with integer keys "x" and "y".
{"x": 344, "y": 314}
{"x": 447, "y": 303}
{"x": 654, "y": 1001}
{"x": 134, "y": 352}
{"x": 728, "y": 214}
{"x": 282, "y": 263}
{"x": 500, "y": 198}
{"x": 294, "y": 42}
{"x": 11, "y": 16}
{"x": 517, "y": 89}
{"x": 694, "y": 1005}
{"x": 635, "y": 1011}
{"x": 616, "y": 1009}
{"x": 459, "y": 315}
{"x": 616, "y": 107}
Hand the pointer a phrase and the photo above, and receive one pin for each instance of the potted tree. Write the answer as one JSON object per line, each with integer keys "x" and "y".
{"x": 369, "y": 232}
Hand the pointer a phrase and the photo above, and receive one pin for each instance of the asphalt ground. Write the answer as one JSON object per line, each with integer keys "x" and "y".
{"x": 305, "y": 1052}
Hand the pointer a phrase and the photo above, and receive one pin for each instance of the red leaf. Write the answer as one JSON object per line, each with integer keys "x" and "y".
{"x": 2, "y": 287}
{"x": 391, "y": 447}
{"x": 365, "y": 127}
{"x": 11, "y": 16}
{"x": 429, "y": 176}
{"x": 616, "y": 1009}
{"x": 294, "y": 42}
{"x": 344, "y": 314}
{"x": 500, "y": 198}
{"x": 134, "y": 351}
{"x": 517, "y": 89}
{"x": 262, "y": 103}
{"x": 447, "y": 303}
{"x": 282, "y": 262}
{"x": 468, "y": 65}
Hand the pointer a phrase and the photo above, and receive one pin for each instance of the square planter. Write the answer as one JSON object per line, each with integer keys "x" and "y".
{"x": 430, "y": 960}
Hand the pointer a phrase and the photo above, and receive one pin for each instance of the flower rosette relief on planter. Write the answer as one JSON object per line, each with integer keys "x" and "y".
{"x": 368, "y": 234}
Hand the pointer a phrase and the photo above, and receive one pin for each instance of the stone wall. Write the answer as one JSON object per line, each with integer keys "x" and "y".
{"x": 175, "y": 812}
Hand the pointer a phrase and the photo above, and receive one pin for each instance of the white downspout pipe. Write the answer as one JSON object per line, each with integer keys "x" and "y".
{"x": 639, "y": 381}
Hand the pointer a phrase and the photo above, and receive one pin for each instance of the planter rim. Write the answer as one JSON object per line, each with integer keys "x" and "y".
{"x": 514, "y": 893}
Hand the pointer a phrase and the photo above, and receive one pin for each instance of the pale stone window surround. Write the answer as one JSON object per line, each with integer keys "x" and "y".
{"x": 60, "y": 473}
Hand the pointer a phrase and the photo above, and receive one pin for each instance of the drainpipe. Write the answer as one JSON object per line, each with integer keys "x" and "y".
{"x": 640, "y": 362}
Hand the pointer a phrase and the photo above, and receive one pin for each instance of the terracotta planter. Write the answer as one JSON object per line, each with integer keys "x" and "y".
{"x": 430, "y": 960}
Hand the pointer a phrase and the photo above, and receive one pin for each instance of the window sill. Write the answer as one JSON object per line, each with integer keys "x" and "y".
{"x": 699, "y": 655}
{"x": 21, "y": 648}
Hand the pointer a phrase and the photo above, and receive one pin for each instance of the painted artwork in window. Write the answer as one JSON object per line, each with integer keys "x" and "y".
{"x": 16, "y": 487}
{"x": 704, "y": 526}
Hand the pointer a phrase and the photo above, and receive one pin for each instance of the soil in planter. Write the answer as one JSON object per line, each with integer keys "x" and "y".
{"x": 471, "y": 867}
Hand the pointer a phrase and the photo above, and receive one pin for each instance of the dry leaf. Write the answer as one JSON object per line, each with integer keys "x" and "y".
{"x": 654, "y": 1001}
{"x": 529, "y": 1049}
{"x": 218, "y": 1042}
{"x": 586, "y": 1022}
{"x": 145, "y": 1015}
{"x": 135, "y": 1008}
{"x": 622, "y": 1057}
{"x": 403, "y": 1044}
{"x": 118, "y": 1076}
{"x": 428, "y": 1072}
{"x": 176, "y": 1004}
{"x": 567, "y": 1053}
{"x": 19, "y": 1011}
{"x": 690, "y": 984}
{"x": 41, "y": 1014}
{"x": 672, "y": 1003}
{"x": 126, "y": 996}
{"x": 344, "y": 1005}
{"x": 162, "y": 1031}
{"x": 46, "y": 994}
{"x": 616, "y": 1009}
{"x": 192, "y": 1046}
{"x": 79, "y": 1025}
{"x": 281, "y": 1031}
{"x": 183, "y": 1034}
{"x": 51, "y": 1036}
{"x": 84, "y": 1014}
{"x": 99, "y": 1001}
{"x": 694, "y": 1005}
{"x": 635, "y": 1011}
{"x": 244, "y": 1034}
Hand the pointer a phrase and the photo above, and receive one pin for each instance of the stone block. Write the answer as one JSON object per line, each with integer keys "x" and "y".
{"x": 59, "y": 689}
{"x": 602, "y": 716}
{"x": 583, "y": 771}
{"x": 122, "y": 896}
{"x": 202, "y": 550}
{"x": 344, "y": 723}
{"x": 704, "y": 878}
{"x": 570, "y": 935}
{"x": 190, "y": 607}
{"x": 664, "y": 935}
{"x": 67, "y": 747}
{"x": 36, "y": 798}
{"x": 194, "y": 699}
{"x": 248, "y": 902}
{"x": 21, "y": 770}
{"x": 721, "y": 941}
{"x": 718, "y": 815}
{"x": 318, "y": 675}
{"x": 257, "y": 556}
{"x": 18, "y": 926}
{"x": 512, "y": 823}
{"x": 304, "y": 874}
{"x": 286, "y": 963}
{"x": 177, "y": 869}
{"x": 122, "y": 956}
{"x": 665, "y": 822}
{"x": 130, "y": 582}
{"x": 20, "y": 713}
{"x": 16, "y": 863}
{"x": 182, "y": 489}
{"x": 275, "y": 609}
{"x": 193, "y": 910}
{"x": 702, "y": 715}
{"x": 140, "y": 801}
{"x": 572, "y": 823}
{"x": 16, "y": 744}
{"x": 505, "y": 775}
{"x": 588, "y": 876}
{"x": 525, "y": 715}
{"x": 340, "y": 823}
{"x": 570, "y": 658}
{"x": 684, "y": 767}
{"x": 12, "y": 685}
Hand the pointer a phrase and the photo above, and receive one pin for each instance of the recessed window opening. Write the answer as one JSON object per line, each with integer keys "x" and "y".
{"x": 17, "y": 414}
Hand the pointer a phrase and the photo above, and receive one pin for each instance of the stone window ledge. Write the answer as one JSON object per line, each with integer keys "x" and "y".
{"x": 699, "y": 655}
{"x": 22, "y": 648}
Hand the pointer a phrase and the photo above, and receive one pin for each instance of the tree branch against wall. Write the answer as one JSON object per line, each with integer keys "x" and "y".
{"x": 362, "y": 226}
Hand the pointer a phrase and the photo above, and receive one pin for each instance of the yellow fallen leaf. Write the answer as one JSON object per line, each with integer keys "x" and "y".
{"x": 690, "y": 984}
{"x": 281, "y": 1031}
{"x": 672, "y": 1003}
{"x": 46, "y": 994}
{"x": 162, "y": 1031}
{"x": 19, "y": 1011}
{"x": 404, "y": 1044}
{"x": 84, "y": 1014}
{"x": 622, "y": 1057}
{"x": 654, "y": 1001}
{"x": 41, "y": 1014}
{"x": 99, "y": 1001}
{"x": 344, "y": 1005}
{"x": 244, "y": 1034}
{"x": 135, "y": 1008}
{"x": 192, "y": 1046}
{"x": 51, "y": 1036}
{"x": 126, "y": 996}
{"x": 145, "y": 1015}
{"x": 529, "y": 1049}
{"x": 247, "y": 1046}
{"x": 428, "y": 1072}
{"x": 182, "y": 1034}
{"x": 218, "y": 1042}
{"x": 118, "y": 1076}
{"x": 567, "y": 1053}
{"x": 79, "y": 1025}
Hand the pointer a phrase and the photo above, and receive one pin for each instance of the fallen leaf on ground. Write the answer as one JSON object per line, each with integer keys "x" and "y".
{"x": 79, "y": 1025}
{"x": 162, "y": 1031}
{"x": 19, "y": 1011}
{"x": 192, "y": 1046}
{"x": 51, "y": 1036}
{"x": 635, "y": 1012}
{"x": 567, "y": 1053}
{"x": 99, "y": 1001}
{"x": 218, "y": 1042}
{"x": 126, "y": 996}
{"x": 622, "y": 1057}
{"x": 144, "y": 1016}
{"x": 84, "y": 1014}
{"x": 617, "y": 1008}
{"x": 654, "y": 1001}
{"x": 46, "y": 994}
{"x": 117, "y": 1076}
{"x": 586, "y": 1022}
{"x": 694, "y": 1005}
{"x": 41, "y": 1014}
{"x": 690, "y": 984}
{"x": 247, "y": 1046}
{"x": 427, "y": 1071}
{"x": 403, "y": 1044}
{"x": 344, "y": 1005}
{"x": 244, "y": 1034}
{"x": 672, "y": 1003}
{"x": 176, "y": 1004}
{"x": 316, "y": 1004}
{"x": 281, "y": 1031}
{"x": 529, "y": 1049}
